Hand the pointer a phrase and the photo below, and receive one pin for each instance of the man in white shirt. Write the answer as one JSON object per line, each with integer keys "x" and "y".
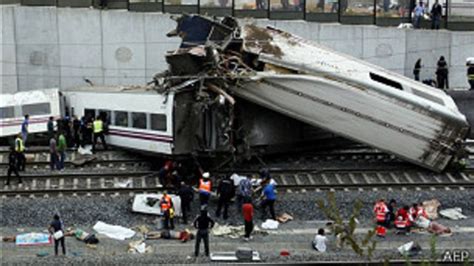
{"x": 319, "y": 242}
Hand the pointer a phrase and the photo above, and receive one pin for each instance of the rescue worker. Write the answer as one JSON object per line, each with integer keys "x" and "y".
{"x": 24, "y": 128}
{"x": 98, "y": 129}
{"x": 61, "y": 147}
{"x": 186, "y": 195}
{"x": 417, "y": 210}
{"x": 470, "y": 73}
{"x": 244, "y": 191}
{"x": 205, "y": 187}
{"x": 380, "y": 211}
{"x": 76, "y": 126}
{"x": 203, "y": 223}
{"x": 247, "y": 213}
{"x": 392, "y": 207}
{"x": 12, "y": 166}
{"x": 269, "y": 196}
{"x": 20, "y": 152}
{"x": 442, "y": 74}
{"x": 226, "y": 192}
{"x": 166, "y": 205}
{"x": 53, "y": 154}
{"x": 56, "y": 226}
{"x": 402, "y": 220}
{"x": 50, "y": 127}
{"x": 164, "y": 173}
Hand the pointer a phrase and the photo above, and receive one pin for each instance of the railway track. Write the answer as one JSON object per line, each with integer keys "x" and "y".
{"x": 288, "y": 181}
{"x": 357, "y": 169}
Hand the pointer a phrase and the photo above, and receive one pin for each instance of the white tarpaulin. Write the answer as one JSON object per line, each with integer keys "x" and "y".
{"x": 141, "y": 204}
{"x": 270, "y": 224}
{"x": 113, "y": 231}
{"x": 453, "y": 213}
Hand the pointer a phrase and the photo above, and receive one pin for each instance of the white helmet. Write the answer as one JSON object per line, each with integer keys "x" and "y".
{"x": 206, "y": 175}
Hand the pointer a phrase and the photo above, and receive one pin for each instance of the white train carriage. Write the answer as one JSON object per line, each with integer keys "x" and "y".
{"x": 138, "y": 119}
{"x": 38, "y": 104}
{"x": 352, "y": 98}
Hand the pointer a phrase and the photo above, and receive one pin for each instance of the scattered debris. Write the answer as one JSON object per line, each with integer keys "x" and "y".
{"x": 409, "y": 249}
{"x": 82, "y": 160}
{"x": 241, "y": 255}
{"x": 42, "y": 254}
{"x": 33, "y": 239}
{"x": 139, "y": 247}
{"x": 149, "y": 204}
{"x": 233, "y": 231}
{"x": 113, "y": 231}
{"x": 284, "y": 253}
{"x": 285, "y": 217}
{"x": 143, "y": 229}
{"x": 431, "y": 208}
{"x": 123, "y": 184}
{"x": 453, "y": 213}
{"x": 87, "y": 150}
{"x": 270, "y": 224}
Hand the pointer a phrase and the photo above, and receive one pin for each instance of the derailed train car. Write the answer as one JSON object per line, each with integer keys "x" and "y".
{"x": 316, "y": 85}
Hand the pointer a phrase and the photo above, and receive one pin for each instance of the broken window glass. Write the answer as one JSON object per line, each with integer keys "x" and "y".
{"x": 36, "y": 109}
{"x": 139, "y": 120}
{"x": 158, "y": 122}
{"x": 121, "y": 119}
{"x": 7, "y": 112}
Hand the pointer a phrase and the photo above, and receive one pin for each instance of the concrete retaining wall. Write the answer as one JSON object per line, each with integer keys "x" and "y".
{"x": 46, "y": 47}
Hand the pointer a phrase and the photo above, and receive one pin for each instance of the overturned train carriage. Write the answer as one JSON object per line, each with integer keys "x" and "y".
{"x": 321, "y": 87}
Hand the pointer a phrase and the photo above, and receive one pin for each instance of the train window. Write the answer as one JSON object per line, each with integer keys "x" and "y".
{"x": 386, "y": 81}
{"x": 139, "y": 120}
{"x": 89, "y": 113}
{"x": 158, "y": 122}
{"x": 36, "y": 109}
{"x": 7, "y": 112}
{"x": 105, "y": 115}
{"x": 121, "y": 119}
{"x": 427, "y": 96}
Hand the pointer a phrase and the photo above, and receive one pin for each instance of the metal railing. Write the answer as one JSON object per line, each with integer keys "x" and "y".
{"x": 457, "y": 14}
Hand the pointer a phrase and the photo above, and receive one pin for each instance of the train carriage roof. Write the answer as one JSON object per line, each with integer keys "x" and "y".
{"x": 114, "y": 89}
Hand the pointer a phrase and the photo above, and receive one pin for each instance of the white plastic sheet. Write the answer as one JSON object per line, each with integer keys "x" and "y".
{"x": 453, "y": 213}
{"x": 270, "y": 224}
{"x": 113, "y": 231}
{"x": 140, "y": 204}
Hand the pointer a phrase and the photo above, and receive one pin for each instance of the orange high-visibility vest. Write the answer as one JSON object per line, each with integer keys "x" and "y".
{"x": 165, "y": 203}
{"x": 380, "y": 210}
{"x": 204, "y": 186}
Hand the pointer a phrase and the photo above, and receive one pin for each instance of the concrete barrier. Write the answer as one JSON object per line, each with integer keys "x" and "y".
{"x": 46, "y": 47}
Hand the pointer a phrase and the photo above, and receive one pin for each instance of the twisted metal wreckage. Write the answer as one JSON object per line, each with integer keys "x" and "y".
{"x": 219, "y": 60}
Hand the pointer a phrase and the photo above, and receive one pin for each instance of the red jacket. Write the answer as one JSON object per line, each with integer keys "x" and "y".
{"x": 247, "y": 212}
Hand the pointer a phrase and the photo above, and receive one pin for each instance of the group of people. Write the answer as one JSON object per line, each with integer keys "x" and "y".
{"x": 16, "y": 156}
{"x": 436, "y": 13}
{"x": 404, "y": 219}
{"x": 227, "y": 189}
{"x": 441, "y": 74}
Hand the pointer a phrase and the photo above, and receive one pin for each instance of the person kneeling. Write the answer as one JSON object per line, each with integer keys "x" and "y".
{"x": 319, "y": 242}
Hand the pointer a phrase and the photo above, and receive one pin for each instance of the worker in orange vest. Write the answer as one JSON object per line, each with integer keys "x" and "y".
{"x": 380, "y": 211}
{"x": 166, "y": 205}
{"x": 205, "y": 188}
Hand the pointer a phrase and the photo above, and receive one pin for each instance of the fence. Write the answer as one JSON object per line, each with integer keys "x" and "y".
{"x": 457, "y": 14}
